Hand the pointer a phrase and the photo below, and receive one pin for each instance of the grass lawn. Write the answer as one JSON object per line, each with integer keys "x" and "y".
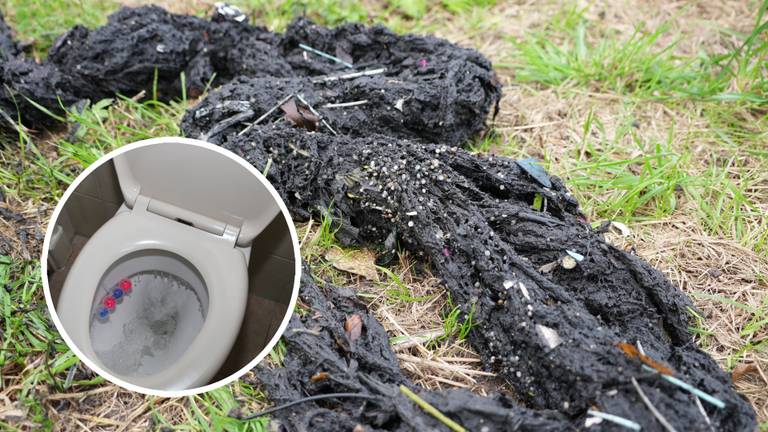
{"x": 655, "y": 113}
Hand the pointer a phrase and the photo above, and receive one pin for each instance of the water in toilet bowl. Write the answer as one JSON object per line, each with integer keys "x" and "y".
{"x": 148, "y": 326}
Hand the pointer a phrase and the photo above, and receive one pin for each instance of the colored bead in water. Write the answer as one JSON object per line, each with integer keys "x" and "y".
{"x": 110, "y": 302}
{"x": 103, "y": 312}
{"x": 125, "y": 285}
{"x": 117, "y": 293}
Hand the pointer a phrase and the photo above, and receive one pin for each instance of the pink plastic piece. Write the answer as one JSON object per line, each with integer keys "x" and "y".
{"x": 109, "y": 302}
{"x": 125, "y": 285}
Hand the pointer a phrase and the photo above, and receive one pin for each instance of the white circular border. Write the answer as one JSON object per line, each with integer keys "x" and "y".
{"x": 107, "y": 375}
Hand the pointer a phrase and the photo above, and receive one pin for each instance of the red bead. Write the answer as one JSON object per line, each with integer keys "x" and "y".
{"x": 109, "y": 302}
{"x": 125, "y": 285}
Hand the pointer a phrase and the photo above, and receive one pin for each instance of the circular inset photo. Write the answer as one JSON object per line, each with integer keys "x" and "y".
{"x": 171, "y": 266}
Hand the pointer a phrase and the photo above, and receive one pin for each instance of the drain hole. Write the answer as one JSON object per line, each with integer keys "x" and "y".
{"x": 185, "y": 222}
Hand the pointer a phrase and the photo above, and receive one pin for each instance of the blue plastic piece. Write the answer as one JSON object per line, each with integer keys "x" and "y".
{"x": 103, "y": 312}
{"x": 532, "y": 167}
{"x": 117, "y": 293}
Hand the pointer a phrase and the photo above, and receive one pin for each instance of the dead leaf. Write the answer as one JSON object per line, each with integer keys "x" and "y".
{"x": 320, "y": 376}
{"x": 743, "y": 369}
{"x": 353, "y": 326}
{"x": 631, "y": 351}
{"x": 299, "y": 116}
{"x": 548, "y": 267}
{"x": 359, "y": 262}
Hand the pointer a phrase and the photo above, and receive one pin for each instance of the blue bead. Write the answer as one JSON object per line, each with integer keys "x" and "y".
{"x": 117, "y": 293}
{"x": 103, "y": 313}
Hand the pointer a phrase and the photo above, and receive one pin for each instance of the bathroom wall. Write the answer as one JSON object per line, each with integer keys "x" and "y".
{"x": 270, "y": 278}
{"x": 92, "y": 204}
{"x": 272, "y": 265}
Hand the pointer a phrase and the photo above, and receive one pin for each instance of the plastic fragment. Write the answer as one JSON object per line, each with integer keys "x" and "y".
{"x": 524, "y": 290}
{"x": 126, "y": 285}
{"x": 549, "y": 336}
{"x": 345, "y": 104}
{"x": 367, "y": 72}
{"x": 575, "y": 255}
{"x": 230, "y": 12}
{"x": 621, "y": 421}
{"x": 591, "y": 421}
{"x": 684, "y": 385}
{"x": 326, "y": 55}
{"x": 532, "y": 167}
{"x": 109, "y": 302}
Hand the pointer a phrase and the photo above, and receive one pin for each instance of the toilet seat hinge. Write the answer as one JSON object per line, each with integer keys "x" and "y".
{"x": 187, "y": 217}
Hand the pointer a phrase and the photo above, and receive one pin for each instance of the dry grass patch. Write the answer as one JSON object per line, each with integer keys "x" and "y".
{"x": 104, "y": 408}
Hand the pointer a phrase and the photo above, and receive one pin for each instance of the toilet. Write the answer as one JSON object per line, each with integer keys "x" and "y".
{"x": 156, "y": 297}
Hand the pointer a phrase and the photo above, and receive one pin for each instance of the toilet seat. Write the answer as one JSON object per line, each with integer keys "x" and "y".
{"x": 223, "y": 268}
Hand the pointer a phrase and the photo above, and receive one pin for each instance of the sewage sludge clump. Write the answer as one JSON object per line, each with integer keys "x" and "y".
{"x": 582, "y": 330}
{"x": 407, "y": 86}
{"x": 555, "y": 304}
{"x": 325, "y": 355}
{"x": 139, "y": 50}
{"x": 9, "y": 48}
{"x": 558, "y": 333}
{"x": 449, "y": 89}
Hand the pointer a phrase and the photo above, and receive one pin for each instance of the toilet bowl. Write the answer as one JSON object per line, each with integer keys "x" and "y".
{"x": 157, "y": 295}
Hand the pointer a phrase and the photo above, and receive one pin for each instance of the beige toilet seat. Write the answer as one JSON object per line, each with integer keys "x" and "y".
{"x": 222, "y": 266}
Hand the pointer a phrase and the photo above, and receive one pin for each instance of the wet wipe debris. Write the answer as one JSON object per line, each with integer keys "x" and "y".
{"x": 335, "y": 346}
{"x": 151, "y": 50}
{"x": 556, "y": 335}
{"x": 392, "y": 173}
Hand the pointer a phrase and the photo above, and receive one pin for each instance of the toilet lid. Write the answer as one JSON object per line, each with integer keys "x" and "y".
{"x": 181, "y": 172}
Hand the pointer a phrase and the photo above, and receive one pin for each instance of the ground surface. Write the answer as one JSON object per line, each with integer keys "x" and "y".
{"x": 655, "y": 113}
